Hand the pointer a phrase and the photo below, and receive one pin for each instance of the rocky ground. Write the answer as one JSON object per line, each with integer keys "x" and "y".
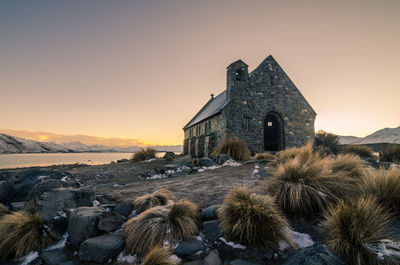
{"x": 88, "y": 205}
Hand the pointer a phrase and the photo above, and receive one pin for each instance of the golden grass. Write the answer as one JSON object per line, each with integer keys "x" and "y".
{"x": 234, "y": 147}
{"x": 304, "y": 154}
{"x": 306, "y": 188}
{"x": 21, "y": 233}
{"x": 360, "y": 150}
{"x": 264, "y": 156}
{"x": 3, "y": 210}
{"x": 385, "y": 187}
{"x": 149, "y": 229}
{"x": 147, "y": 201}
{"x": 390, "y": 154}
{"x": 158, "y": 256}
{"x": 350, "y": 165}
{"x": 252, "y": 219}
{"x": 349, "y": 227}
{"x": 144, "y": 154}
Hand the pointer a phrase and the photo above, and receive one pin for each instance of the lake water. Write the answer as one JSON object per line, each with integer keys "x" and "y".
{"x": 29, "y": 160}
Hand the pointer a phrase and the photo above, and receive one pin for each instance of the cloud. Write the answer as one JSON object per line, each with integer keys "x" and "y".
{"x": 85, "y": 139}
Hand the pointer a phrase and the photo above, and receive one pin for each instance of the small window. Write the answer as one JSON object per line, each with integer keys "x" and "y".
{"x": 246, "y": 123}
{"x": 270, "y": 124}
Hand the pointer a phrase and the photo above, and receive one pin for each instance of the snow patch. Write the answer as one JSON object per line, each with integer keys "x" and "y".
{"x": 149, "y": 160}
{"x": 96, "y": 203}
{"x": 124, "y": 258}
{"x": 232, "y": 163}
{"x": 302, "y": 240}
{"x": 29, "y": 258}
{"x": 42, "y": 177}
{"x": 175, "y": 259}
{"x": 60, "y": 244}
{"x": 64, "y": 179}
{"x": 232, "y": 244}
{"x": 386, "y": 248}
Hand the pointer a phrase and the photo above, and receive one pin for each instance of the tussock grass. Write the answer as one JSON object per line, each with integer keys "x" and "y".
{"x": 306, "y": 188}
{"x": 350, "y": 165}
{"x": 390, "y": 154}
{"x": 385, "y": 187}
{"x": 21, "y": 233}
{"x": 234, "y": 147}
{"x": 3, "y": 210}
{"x": 252, "y": 219}
{"x": 158, "y": 256}
{"x": 264, "y": 156}
{"x": 149, "y": 229}
{"x": 147, "y": 201}
{"x": 327, "y": 143}
{"x": 144, "y": 154}
{"x": 304, "y": 154}
{"x": 360, "y": 150}
{"x": 349, "y": 227}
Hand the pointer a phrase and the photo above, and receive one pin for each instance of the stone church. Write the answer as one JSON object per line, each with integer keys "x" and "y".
{"x": 264, "y": 108}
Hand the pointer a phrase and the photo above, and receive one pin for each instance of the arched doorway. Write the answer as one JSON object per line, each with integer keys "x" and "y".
{"x": 273, "y": 132}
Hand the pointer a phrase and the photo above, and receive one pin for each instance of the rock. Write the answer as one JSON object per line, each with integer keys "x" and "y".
{"x": 70, "y": 262}
{"x": 206, "y": 162}
{"x": 122, "y": 160}
{"x": 165, "y": 168}
{"x": 111, "y": 221}
{"x": 61, "y": 200}
{"x": 221, "y": 159}
{"x": 124, "y": 208}
{"x": 169, "y": 156}
{"x": 212, "y": 230}
{"x": 83, "y": 224}
{"x": 314, "y": 255}
{"x": 101, "y": 248}
{"x": 210, "y": 213}
{"x": 241, "y": 262}
{"x": 195, "y": 262}
{"x": 212, "y": 258}
{"x": 269, "y": 255}
{"x": 17, "y": 206}
{"x": 40, "y": 188}
{"x": 53, "y": 257}
{"x": 189, "y": 247}
{"x": 183, "y": 161}
{"x": 7, "y": 191}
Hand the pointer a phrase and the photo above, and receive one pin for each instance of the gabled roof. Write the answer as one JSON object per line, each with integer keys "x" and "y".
{"x": 212, "y": 107}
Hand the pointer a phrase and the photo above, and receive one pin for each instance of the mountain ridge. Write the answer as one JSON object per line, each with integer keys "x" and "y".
{"x": 385, "y": 135}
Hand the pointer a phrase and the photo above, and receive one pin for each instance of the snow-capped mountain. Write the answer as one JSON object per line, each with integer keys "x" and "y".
{"x": 10, "y": 144}
{"x": 386, "y": 135}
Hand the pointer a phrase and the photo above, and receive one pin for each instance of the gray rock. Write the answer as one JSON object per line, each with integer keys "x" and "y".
{"x": 206, "y": 162}
{"x": 7, "y": 191}
{"x": 124, "y": 208}
{"x": 61, "y": 200}
{"x": 40, "y": 188}
{"x": 212, "y": 258}
{"x": 221, "y": 159}
{"x": 189, "y": 247}
{"x": 122, "y": 160}
{"x": 194, "y": 262}
{"x": 210, "y": 213}
{"x": 241, "y": 262}
{"x": 53, "y": 257}
{"x": 101, "y": 248}
{"x": 83, "y": 224}
{"x": 212, "y": 230}
{"x": 315, "y": 255}
{"x": 169, "y": 156}
{"x": 269, "y": 255}
{"x": 111, "y": 221}
{"x": 17, "y": 206}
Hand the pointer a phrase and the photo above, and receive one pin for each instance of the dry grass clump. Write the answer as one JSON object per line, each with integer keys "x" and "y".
{"x": 350, "y": 165}
{"x": 158, "y": 256}
{"x": 390, "y": 154}
{"x": 21, "y": 233}
{"x": 385, "y": 187}
{"x": 155, "y": 225}
{"x": 3, "y": 210}
{"x": 252, "y": 219}
{"x": 234, "y": 147}
{"x": 147, "y": 201}
{"x": 304, "y": 154}
{"x": 306, "y": 188}
{"x": 350, "y": 227}
{"x": 360, "y": 150}
{"x": 328, "y": 143}
{"x": 144, "y": 154}
{"x": 264, "y": 156}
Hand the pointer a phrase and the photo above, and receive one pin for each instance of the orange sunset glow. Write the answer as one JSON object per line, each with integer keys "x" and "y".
{"x": 135, "y": 72}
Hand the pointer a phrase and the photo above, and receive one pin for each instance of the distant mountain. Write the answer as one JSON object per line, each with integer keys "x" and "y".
{"x": 386, "y": 135}
{"x": 10, "y": 145}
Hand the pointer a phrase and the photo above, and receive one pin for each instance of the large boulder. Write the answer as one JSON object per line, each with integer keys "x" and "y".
{"x": 51, "y": 203}
{"x": 210, "y": 213}
{"x": 315, "y": 255}
{"x": 190, "y": 247}
{"x": 111, "y": 221}
{"x": 100, "y": 249}
{"x": 124, "y": 208}
{"x": 40, "y": 188}
{"x": 212, "y": 230}
{"x": 83, "y": 224}
{"x": 7, "y": 191}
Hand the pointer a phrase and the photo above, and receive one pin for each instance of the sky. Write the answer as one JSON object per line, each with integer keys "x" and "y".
{"x": 142, "y": 69}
